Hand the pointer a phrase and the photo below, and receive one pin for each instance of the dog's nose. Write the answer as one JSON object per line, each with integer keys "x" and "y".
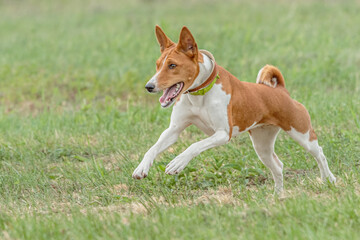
{"x": 150, "y": 87}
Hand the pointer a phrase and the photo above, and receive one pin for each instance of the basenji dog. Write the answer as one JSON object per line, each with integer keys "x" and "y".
{"x": 220, "y": 105}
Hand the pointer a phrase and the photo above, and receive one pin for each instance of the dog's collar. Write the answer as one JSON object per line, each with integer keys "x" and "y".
{"x": 207, "y": 85}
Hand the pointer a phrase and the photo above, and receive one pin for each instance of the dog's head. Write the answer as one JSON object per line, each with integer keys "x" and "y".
{"x": 176, "y": 68}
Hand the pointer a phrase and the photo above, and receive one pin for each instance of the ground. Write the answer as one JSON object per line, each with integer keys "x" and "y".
{"x": 75, "y": 120}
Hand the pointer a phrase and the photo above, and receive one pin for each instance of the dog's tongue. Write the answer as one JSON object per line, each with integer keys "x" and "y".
{"x": 168, "y": 94}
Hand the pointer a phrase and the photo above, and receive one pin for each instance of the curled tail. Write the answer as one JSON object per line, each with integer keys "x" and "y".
{"x": 270, "y": 76}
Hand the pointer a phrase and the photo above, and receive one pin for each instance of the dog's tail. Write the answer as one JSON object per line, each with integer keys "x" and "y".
{"x": 270, "y": 76}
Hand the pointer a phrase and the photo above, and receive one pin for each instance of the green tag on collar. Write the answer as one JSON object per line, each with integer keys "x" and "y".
{"x": 205, "y": 89}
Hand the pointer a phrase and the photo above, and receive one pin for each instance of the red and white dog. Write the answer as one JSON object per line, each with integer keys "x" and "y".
{"x": 220, "y": 105}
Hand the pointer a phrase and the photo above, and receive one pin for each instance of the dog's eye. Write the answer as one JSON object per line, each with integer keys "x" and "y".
{"x": 172, "y": 66}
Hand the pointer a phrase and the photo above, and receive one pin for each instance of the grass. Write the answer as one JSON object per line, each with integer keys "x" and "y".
{"x": 75, "y": 121}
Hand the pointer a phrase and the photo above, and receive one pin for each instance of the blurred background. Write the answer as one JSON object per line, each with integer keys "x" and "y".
{"x": 60, "y": 53}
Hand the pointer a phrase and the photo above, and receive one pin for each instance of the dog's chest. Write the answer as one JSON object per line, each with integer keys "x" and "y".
{"x": 208, "y": 112}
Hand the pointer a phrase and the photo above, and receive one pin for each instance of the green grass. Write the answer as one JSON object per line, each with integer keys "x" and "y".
{"x": 75, "y": 121}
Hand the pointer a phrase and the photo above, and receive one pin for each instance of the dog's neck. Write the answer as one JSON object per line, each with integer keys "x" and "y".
{"x": 205, "y": 70}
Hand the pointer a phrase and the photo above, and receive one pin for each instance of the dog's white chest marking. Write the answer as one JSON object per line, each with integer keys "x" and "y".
{"x": 208, "y": 112}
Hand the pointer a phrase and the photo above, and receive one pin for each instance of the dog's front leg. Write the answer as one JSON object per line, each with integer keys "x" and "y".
{"x": 180, "y": 162}
{"x": 167, "y": 138}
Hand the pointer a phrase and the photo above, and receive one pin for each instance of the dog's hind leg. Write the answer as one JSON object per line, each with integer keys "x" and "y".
{"x": 263, "y": 139}
{"x": 309, "y": 141}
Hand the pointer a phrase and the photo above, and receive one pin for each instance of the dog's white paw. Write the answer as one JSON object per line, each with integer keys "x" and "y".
{"x": 328, "y": 178}
{"x": 141, "y": 171}
{"x": 176, "y": 165}
{"x": 279, "y": 190}
{"x": 332, "y": 178}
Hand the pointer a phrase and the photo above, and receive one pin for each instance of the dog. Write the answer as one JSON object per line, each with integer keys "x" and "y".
{"x": 220, "y": 105}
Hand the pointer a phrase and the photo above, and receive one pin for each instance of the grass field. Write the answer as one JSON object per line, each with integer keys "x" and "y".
{"x": 75, "y": 121}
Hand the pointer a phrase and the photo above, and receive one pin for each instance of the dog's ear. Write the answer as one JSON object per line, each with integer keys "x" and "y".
{"x": 188, "y": 45}
{"x": 163, "y": 40}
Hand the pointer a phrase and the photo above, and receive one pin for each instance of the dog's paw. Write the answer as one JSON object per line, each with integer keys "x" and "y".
{"x": 331, "y": 178}
{"x": 141, "y": 171}
{"x": 176, "y": 166}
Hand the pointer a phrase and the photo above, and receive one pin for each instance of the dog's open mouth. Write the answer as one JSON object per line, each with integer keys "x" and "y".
{"x": 170, "y": 94}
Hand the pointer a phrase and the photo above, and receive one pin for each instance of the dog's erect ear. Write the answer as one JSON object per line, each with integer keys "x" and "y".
{"x": 188, "y": 45}
{"x": 163, "y": 40}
